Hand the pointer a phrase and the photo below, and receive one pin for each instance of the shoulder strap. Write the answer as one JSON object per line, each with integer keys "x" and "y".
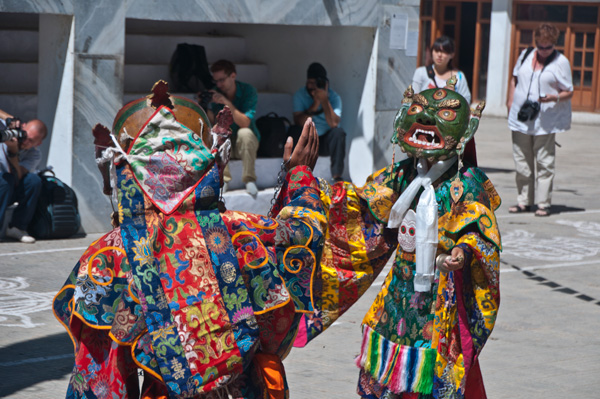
{"x": 431, "y": 74}
{"x": 550, "y": 58}
{"x": 527, "y": 52}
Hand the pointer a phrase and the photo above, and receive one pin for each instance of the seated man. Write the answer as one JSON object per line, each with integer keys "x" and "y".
{"x": 17, "y": 159}
{"x": 241, "y": 98}
{"x": 324, "y": 105}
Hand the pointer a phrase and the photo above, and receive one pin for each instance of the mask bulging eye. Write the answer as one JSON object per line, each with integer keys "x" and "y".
{"x": 447, "y": 114}
{"x": 414, "y": 109}
{"x": 411, "y": 231}
{"x": 439, "y": 94}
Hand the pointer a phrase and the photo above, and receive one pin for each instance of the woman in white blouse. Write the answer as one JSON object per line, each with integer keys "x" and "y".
{"x": 539, "y": 104}
{"x": 441, "y": 69}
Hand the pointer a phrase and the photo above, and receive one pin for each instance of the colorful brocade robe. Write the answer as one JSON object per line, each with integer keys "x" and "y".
{"x": 415, "y": 344}
{"x": 206, "y": 303}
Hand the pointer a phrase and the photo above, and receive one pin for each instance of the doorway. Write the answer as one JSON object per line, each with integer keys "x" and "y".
{"x": 468, "y": 23}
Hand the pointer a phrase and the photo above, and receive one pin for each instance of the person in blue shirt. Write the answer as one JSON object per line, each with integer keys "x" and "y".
{"x": 318, "y": 101}
{"x": 241, "y": 99}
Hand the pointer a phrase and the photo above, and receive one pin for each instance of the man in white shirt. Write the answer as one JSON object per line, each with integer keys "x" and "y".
{"x": 17, "y": 159}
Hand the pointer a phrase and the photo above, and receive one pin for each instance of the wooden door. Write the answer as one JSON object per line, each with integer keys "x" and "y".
{"x": 583, "y": 56}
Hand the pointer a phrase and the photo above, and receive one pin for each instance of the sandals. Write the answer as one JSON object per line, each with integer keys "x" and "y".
{"x": 519, "y": 209}
{"x": 542, "y": 212}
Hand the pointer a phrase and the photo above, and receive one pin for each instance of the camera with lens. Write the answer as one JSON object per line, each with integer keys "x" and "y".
{"x": 321, "y": 82}
{"x": 7, "y": 134}
{"x": 528, "y": 111}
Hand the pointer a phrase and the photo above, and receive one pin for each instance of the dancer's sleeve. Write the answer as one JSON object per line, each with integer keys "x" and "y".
{"x": 357, "y": 245}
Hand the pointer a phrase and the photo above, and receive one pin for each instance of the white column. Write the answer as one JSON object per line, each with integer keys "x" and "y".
{"x": 55, "y": 91}
{"x": 499, "y": 57}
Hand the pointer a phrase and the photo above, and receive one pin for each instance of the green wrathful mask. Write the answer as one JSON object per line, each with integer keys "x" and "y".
{"x": 436, "y": 123}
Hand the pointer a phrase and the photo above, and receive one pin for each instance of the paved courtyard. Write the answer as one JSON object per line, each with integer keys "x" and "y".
{"x": 545, "y": 344}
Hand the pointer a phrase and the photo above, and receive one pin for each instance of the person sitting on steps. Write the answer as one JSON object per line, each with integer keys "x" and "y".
{"x": 318, "y": 101}
{"x": 241, "y": 98}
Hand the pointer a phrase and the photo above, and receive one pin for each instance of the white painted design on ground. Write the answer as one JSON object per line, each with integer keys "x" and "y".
{"x": 560, "y": 249}
{"x": 16, "y": 303}
{"x": 589, "y": 229}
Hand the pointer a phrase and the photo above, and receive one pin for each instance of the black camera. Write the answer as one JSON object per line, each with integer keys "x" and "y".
{"x": 528, "y": 111}
{"x": 205, "y": 98}
{"x": 321, "y": 83}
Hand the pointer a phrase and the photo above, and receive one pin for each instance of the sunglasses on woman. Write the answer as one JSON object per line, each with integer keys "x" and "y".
{"x": 545, "y": 48}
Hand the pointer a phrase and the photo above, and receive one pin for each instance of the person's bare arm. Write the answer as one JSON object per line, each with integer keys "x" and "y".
{"x": 4, "y": 115}
{"x": 511, "y": 92}
{"x": 12, "y": 147}
{"x": 301, "y": 116}
{"x": 333, "y": 120}
{"x": 561, "y": 96}
{"x": 239, "y": 117}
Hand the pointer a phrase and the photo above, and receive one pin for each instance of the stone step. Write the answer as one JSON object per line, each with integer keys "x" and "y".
{"x": 142, "y": 48}
{"x": 23, "y": 106}
{"x": 18, "y": 46}
{"x": 19, "y": 77}
{"x": 240, "y": 200}
{"x": 237, "y": 199}
{"x": 141, "y": 77}
{"x": 267, "y": 171}
{"x": 280, "y": 103}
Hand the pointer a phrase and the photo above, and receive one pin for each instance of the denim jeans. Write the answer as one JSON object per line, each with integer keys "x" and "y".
{"x": 26, "y": 193}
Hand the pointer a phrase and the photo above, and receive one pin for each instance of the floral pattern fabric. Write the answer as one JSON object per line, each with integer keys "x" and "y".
{"x": 188, "y": 294}
{"x": 415, "y": 344}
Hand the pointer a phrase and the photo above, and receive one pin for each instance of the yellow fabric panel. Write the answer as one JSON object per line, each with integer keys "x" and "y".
{"x": 472, "y": 212}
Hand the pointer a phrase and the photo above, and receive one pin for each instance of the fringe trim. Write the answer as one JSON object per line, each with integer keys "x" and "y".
{"x": 400, "y": 368}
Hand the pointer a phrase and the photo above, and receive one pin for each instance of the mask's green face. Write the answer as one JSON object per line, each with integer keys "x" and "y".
{"x": 434, "y": 125}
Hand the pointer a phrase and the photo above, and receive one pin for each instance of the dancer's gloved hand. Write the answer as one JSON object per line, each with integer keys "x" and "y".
{"x": 307, "y": 149}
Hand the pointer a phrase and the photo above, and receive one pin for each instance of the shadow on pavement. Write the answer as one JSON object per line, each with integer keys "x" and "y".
{"x": 555, "y": 209}
{"x": 30, "y": 362}
{"x": 554, "y": 286}
{"x": 496, "y": 170}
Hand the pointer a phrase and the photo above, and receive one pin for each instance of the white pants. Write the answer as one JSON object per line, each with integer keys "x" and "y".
{"x": 534, "y": 186}
{"x": 244, "y": 148}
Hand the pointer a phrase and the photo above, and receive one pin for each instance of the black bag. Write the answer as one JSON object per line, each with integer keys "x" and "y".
{"x": 188, "y": 70}
{"x": 56, "y": 214}
{"x": 273, "y": 134}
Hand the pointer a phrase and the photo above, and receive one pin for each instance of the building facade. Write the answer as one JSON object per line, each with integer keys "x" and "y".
{"x": 490, "y": 34}
{"x": 73, "y": 63}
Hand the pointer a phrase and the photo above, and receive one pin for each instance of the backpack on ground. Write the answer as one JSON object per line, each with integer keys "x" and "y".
{"x": 273, "y": 134}
{"x": 56, "y": 213}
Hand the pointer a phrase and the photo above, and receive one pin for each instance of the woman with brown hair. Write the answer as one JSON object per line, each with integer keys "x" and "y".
{"x": 539, "y": 104}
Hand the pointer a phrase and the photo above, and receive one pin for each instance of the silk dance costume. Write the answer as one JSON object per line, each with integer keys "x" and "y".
{"x": 206, "y": 302}
{"x": 426, "y": 328}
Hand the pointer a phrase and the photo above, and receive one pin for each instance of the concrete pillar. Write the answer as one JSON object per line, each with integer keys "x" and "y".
{"x": 98, "y": 91}
{"x": 55, "y": 91}
{"x": 499, "y": 69}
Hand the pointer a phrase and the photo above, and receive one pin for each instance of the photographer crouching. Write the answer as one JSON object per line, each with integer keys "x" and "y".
{"x": 19, "y": 155}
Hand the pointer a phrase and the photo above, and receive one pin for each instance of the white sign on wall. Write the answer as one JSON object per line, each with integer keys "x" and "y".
{"x": 398, "y": 31}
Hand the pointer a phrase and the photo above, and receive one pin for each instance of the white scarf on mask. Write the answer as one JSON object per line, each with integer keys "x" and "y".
{"x": 427, "y": 219}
